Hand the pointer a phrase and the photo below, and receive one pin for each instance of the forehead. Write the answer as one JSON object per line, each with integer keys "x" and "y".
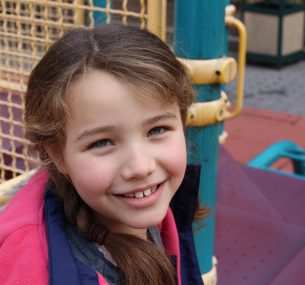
{"x": 99, "y": 93}
{"x": 103, "y": 83}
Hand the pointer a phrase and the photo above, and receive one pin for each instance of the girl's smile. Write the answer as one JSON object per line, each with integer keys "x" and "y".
{"x": 125, "y": 153}
{"x": 141, "y": 199}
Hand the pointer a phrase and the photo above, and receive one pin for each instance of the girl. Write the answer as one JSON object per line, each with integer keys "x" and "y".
{"x": 105, "y": 108}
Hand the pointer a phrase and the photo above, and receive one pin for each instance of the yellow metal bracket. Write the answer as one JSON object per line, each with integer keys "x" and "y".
{"x": 218, "y": 71}
{"x": 208, "y": 113}
{"x": 212, "y": 71}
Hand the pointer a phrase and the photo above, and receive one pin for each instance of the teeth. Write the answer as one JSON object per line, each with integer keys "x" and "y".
{"x": 147, "y": 192}
{"x": 140, "y": 195}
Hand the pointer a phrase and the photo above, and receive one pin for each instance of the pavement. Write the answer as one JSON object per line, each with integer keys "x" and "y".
{"x": 274, "y": 109}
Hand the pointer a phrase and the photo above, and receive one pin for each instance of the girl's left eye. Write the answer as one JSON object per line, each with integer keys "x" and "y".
{"x": 157, "y": 131}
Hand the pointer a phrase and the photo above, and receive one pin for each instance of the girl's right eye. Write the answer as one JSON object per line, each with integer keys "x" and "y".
{"x": 100, "y": 144}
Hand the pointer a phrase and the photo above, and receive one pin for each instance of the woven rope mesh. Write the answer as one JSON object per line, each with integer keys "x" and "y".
{"x": 27, "y": 28}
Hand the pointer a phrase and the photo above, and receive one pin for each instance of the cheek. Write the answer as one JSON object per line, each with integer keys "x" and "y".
{"x": 91, "y": 179}
{"x": 176, "y": 158}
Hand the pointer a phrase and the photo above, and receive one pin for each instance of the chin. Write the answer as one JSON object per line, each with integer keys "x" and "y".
{"x": 150, "y": 221}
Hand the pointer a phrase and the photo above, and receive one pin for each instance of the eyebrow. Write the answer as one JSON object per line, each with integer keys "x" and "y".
{"x": 165, "y": 116}
{"x": 92, "y": 132}
{"x": 104, "y": 129}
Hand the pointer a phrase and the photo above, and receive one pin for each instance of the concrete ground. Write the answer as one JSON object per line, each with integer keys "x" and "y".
{"x": 281, "y": 90}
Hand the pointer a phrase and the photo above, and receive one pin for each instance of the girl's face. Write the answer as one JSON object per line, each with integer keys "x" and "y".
{"x": 125, "y": 155}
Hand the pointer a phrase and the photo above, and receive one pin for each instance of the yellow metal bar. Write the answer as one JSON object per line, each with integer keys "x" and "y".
{"x": 213, "y": 71}
{"x": 156, "y": 18}
{"x": 239, "y": 26}
{"x": 21, "y": 87}
{"x": 163, "y": 20}
{"x": 79, "y": 14}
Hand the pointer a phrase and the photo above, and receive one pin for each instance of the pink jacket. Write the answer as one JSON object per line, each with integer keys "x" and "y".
{"x": 23, "y": 243}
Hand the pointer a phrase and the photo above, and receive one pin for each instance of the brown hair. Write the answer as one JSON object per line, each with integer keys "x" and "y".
{"x": 140, "y": 59}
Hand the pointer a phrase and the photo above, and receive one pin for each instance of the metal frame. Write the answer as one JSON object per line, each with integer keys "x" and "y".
{"x": 278, "y": 150}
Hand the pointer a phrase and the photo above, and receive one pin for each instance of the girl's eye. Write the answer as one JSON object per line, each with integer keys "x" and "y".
{"x": 100, "y": 143}
{"x": 157, "y": 131}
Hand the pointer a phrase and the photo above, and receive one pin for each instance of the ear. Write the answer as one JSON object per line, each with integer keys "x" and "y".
{"x": 56, "y": 157}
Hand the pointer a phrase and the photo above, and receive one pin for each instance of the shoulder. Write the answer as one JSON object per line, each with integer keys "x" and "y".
{"x": 25, "y": 207}
{"x": 22, "y": 236}
{"x": 23, "y": 258}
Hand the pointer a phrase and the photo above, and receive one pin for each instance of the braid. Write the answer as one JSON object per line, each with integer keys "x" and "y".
{"x": 140, "y": 261}
{"x": 98, "y": 233}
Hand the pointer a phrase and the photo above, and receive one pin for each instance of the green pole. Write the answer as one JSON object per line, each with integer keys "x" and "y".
{"x": 200, "y": 34}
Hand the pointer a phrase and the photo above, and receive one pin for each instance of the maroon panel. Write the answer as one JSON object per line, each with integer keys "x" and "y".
{"x": 260, "y": 226}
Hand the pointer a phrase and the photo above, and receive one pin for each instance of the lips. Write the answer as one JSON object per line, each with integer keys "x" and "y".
{"x": 142, "y": 197}
{"x": 141, "y": 194}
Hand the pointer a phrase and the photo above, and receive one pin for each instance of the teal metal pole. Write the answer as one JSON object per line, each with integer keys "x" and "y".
{"x": 99, "y": 17}
{"x": 200, "y": 34}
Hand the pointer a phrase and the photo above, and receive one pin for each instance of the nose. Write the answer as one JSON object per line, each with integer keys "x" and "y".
{"x": 139, "y": 163}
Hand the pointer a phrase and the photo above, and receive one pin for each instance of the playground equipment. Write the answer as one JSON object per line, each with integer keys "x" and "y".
{"x": 282, "y": 149}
